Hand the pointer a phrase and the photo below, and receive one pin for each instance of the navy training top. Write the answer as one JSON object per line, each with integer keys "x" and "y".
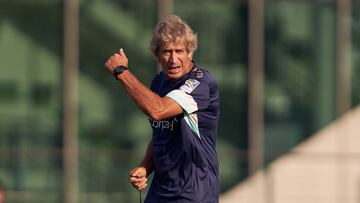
{"x": 184, "y": 146}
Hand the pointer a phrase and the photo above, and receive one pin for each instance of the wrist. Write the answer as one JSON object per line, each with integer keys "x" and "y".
{"x": 148, "y": 169}
{"x": 119, "y": 70}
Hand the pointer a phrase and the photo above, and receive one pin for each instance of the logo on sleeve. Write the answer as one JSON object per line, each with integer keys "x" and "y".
{"x": 189, "y": 85}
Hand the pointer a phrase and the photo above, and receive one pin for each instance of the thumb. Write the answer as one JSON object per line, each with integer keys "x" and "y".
{"x": 141, "y": 172}
{"x": 121, "y": 52}
{"x": 132, "y": 172}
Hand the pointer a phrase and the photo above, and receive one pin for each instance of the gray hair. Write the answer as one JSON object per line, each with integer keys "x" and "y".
{"x": 173, "y": 30}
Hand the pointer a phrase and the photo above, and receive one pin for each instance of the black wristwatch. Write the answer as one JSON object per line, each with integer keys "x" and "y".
{"x": 118, "y": 70}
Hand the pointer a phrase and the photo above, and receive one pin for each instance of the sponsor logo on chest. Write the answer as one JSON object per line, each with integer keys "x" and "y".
{"x": 163, "y": 124}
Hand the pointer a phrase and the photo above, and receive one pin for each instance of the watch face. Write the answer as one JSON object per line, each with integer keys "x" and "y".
{"x": 119, "y": 70}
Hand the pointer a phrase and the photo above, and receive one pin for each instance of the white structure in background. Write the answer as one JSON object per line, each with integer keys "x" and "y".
{"x": 323, "y": 169}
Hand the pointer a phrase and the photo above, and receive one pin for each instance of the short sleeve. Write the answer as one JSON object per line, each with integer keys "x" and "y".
{"x": 192, "y": 96}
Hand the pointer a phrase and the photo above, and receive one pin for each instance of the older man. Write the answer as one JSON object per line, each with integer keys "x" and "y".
{"x": 183, "y": 108}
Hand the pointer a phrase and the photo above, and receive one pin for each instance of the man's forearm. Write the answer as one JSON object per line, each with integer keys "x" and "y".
{"x": 154, "y": 106}
{"x": 150, "y": 103}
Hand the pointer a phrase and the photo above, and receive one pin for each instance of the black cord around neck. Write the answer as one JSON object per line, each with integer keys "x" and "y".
{"x": 140, "y": 196}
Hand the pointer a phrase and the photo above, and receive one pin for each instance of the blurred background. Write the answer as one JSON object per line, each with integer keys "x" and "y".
{"x": 289, "y": 77}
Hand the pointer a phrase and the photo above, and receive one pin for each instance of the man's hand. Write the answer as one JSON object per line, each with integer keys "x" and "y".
{"x": 118, "y": 59}
{"x": 138, "y": 178}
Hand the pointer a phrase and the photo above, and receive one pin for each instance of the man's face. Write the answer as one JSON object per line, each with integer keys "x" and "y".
{"x": 175, "y": 60}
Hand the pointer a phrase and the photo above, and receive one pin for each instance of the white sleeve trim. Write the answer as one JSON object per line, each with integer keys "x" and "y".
{"x": 192, "y": 121}
{"x": 186, "y": 101}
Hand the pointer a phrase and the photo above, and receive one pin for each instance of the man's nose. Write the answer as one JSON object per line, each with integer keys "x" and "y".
{"x": 172, "y": 58}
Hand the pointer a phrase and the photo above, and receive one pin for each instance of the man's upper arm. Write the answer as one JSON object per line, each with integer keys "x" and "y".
{"x": 172, "y": 108}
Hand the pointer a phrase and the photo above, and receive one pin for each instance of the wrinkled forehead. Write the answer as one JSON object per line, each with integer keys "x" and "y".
{"x": 173, "y": 45}
{"x": 167, "y": 39}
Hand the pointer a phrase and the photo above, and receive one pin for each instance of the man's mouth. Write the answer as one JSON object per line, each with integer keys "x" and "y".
{"x": 173, "y": 69}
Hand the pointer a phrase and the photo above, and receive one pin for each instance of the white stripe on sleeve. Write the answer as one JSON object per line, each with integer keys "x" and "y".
{"x": 186, "y": 101}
